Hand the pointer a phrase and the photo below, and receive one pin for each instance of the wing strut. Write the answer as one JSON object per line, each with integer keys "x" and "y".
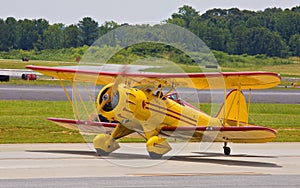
{"x": 77, "y": 94}
{"x": 94, "y": 114}
{"x": 224, "y": 114}
{"x": 249, "y": 97}
{"x": 65, "y": 90}
{"x": 239, "y": 107}
{"x": 75, "y": 107}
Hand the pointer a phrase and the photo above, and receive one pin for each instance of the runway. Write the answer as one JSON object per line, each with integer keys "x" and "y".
{"x": 56, "y": 93}
{"x": 76, "y": 165}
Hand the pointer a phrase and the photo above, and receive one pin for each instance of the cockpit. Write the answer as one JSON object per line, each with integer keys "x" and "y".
{"x": 174, "y": 96}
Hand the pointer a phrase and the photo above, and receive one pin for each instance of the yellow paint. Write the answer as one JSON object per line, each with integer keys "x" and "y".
{"x": 142, "y": 110}
{"x": 234, "y": 110}
{"x": 105, "y": 142}
{"x": 158, "y": 145}
{"x": 261, "y": 80}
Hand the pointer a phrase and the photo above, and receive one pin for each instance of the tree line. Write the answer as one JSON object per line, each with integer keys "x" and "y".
{"x": 273, "y": 32}
{"x": 38, "y": 34}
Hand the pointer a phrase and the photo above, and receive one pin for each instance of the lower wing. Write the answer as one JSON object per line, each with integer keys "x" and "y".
{"x": 238, "y": 134}
{"x": 241, "y": 134}
{"x": 85, "y": 127}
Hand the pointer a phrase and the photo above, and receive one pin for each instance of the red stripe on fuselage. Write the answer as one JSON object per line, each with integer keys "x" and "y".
{"x": 177, "y": 118}
{"x": 181, "y": 115}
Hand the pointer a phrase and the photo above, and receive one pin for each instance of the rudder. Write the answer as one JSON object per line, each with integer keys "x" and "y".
{"x": 234, "y": 111}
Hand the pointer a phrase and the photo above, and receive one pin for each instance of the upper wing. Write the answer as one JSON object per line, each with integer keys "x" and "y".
{"x": 228, "y": 80}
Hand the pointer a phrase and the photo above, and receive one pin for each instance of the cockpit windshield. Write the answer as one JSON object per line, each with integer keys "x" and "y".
{"x": 173, "y": 96}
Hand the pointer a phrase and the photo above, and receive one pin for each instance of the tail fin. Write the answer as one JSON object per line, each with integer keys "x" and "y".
{"x": 234, "y": 112}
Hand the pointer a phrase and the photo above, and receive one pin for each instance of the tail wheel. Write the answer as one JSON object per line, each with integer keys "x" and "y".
{"x": 227, "y": 150}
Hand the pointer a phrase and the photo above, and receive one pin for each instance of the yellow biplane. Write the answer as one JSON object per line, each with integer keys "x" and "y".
{"x": 138, "y": 104}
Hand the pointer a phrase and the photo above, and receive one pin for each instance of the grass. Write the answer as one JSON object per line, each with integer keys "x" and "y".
{"x": 25, "y": 121}
{"x": 283, "y": 114}
{"x": 19, "y": 64}
{"x": 47, "y": 82}
{"x": 285, "y": 118}
{"x": 285, "y": 70}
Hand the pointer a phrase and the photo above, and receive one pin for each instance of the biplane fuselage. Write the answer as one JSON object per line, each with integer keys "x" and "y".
{"x": 146, "y": 110}
{"x": 151, "y": 113}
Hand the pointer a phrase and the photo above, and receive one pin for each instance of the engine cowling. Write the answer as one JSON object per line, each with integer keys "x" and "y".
{"x": 122, "y": 104}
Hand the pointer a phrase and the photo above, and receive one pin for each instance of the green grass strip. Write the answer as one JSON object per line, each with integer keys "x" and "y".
{"x": 25, "y": 121}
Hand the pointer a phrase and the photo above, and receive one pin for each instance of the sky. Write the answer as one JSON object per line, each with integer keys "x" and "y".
{"x": 122, "y": 11}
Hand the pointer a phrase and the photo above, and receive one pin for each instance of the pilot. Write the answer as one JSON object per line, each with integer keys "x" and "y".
{"x": 159, "y": 94}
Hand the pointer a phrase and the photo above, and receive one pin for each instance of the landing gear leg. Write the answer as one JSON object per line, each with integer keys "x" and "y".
{"x": 227, "y": 150}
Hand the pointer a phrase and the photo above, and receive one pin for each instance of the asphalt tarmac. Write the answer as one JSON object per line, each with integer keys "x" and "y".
{"x": 76, "y": 165}
{"x": 56, "y": 93}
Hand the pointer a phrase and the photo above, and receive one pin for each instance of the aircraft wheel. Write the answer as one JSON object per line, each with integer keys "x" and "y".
{"x": 105, "y": 144}
{"x": 101, "y": 152}
{"x": 227, "y": 150}
{"x": 157, "y": 147}
{"x": 155, "y": 155}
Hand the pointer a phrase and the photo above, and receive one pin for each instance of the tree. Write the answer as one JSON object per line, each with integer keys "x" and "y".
{"x": 239, "y": 34}
{"x": 259, "y": 40}
{"x": 288, "y": 24}
{"x": 218, "y": 38}
{"x": 54, "y": 37}
{"x": 27, "y": 34}
{"x": 186, "y": 14}
{"x": 294, "y": 44}
{"x": 40, "y": 25}
{"x": 256, "y": 21}
{"x": 2, "y": 35}
{"x": 11, "y": 32}
{"x": 8, "y": 33}
{"x": 72, "y": 36}
{"x": 88, "y": 31}
{"x": 107, "y": 26}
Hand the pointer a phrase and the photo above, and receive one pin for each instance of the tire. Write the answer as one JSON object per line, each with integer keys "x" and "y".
{"x": 227, "y": 150}
{"x": 101, "y": 152}
{"x": 155, "y": 155}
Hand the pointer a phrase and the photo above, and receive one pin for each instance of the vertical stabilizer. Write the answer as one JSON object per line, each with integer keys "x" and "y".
{"x": 234, "y": 111}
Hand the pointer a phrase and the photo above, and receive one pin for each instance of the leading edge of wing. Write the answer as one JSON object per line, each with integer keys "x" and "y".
{"x": 218, "y": 128}
{"x": 228, "y": 80}
{"x": 92, "y": 123}
{"x": 83, "y": 126}
{"x": 242, "y": 134}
